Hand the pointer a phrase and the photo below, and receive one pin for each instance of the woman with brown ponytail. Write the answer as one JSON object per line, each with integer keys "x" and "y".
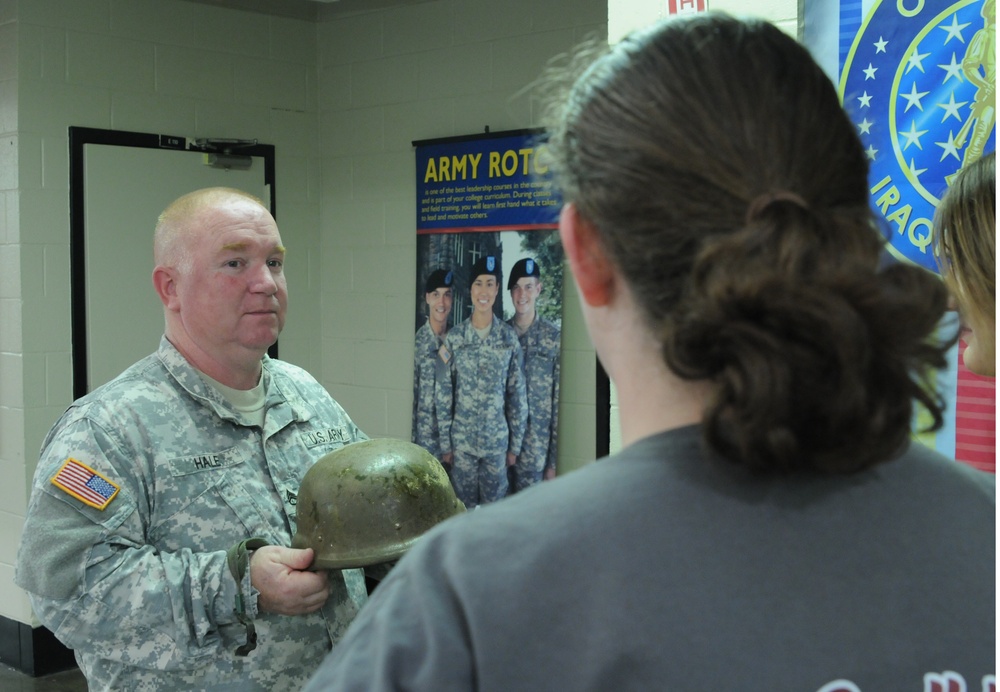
{"x": 768, "y": 524}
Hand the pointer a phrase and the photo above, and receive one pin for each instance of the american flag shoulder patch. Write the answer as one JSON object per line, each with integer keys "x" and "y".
{"x": 85, "y": 484}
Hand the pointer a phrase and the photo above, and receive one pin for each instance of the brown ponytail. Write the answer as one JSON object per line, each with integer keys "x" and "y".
{"x": 730, "y": 188}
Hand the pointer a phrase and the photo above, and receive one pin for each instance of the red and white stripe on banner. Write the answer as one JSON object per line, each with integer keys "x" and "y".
{"x": 686, "y": 6}
{"x": 975, "y": 418}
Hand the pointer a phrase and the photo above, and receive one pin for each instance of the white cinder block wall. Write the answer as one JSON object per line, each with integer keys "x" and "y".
{"x": 341, "y": 98}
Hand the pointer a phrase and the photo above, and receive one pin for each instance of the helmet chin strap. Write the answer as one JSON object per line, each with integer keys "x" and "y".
{"x": 238, "y": 558}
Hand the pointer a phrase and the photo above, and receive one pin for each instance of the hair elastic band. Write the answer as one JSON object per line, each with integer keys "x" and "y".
{"x": 762, "y": 202}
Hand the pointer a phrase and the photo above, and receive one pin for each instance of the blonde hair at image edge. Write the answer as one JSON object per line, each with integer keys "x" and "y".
{"x": 965, "y": 222}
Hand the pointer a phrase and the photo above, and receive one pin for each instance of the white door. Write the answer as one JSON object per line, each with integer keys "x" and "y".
{"x": 126, "y": 188}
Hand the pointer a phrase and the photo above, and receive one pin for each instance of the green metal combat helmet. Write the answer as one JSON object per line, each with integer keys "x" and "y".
{"x": 367, "y": 503}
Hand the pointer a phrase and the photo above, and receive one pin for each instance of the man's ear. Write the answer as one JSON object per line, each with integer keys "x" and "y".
{"x": 165, "y": 283}
{"x": 591, "y": 267}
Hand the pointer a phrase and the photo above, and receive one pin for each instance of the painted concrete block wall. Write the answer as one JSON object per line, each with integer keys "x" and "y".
{"x": 166, "y": 66}
{"x": 11, "y": 389}
{"x": 389, "y": 77}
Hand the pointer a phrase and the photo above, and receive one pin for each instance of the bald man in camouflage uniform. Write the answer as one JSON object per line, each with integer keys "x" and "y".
{"x": 485, "y": 395}
{"x": 133, "y": 546}
{"x": 428, "y": 365}
{"x": 540, "y": 341}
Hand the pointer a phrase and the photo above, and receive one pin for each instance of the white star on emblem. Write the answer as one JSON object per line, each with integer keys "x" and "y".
{"x": 871, "y": 151}
{"x": 949, "y": 148}
{"x": 913, "y": 98}
{"x": 955, "y": 30}
{"x": 870, "y": 72}
{"x": 865, "y": 100}
{"x": 865, "y": 126}
{"x": 880, "y": 45}
{"x": 951, "y": 108}
{"x": 913, "y": 136}
{"x": 916, "y": 60}
{"x": 953, "y": 69}
{"x": 915, "y": 172}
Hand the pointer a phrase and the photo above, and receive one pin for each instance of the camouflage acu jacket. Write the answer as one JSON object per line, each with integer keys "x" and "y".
{"x": 141, "y": 487}
{"x": 485, "y": 395}
{"x": 541, "y": 346}
{"x": 428, "y": 368}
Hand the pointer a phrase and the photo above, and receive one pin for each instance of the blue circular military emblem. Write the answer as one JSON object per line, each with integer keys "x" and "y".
{"x": 530, "y": 267}
{"x": 920, "y": 82}
{"x": 447, "y": 279}
{"x": 491, "y": 263}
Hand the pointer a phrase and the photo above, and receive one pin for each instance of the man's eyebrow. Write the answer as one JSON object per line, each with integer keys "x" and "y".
{"x": 280, "y": 249}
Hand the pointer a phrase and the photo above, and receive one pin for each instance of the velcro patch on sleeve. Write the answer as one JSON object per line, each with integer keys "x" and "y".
{"x": 85, "y": 484}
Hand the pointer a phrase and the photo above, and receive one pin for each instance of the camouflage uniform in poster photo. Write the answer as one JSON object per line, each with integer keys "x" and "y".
{"x": 485, "y": 395}
{"x": 428, "y": 366}
{"x": 540, "y": 342}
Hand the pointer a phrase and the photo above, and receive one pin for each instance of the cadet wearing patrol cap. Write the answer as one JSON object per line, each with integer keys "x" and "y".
{"x": 428, "y": 366}
{"x": 540, "y": 341}
{"x": 483, "y": 404}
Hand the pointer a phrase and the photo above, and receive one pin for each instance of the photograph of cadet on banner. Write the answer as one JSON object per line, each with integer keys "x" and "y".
{"x": 487, "y": 357}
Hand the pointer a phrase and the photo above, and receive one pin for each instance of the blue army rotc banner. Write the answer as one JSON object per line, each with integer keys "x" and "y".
{"x": 484, "y": 184}
{"x": 488, "y": 315}
{"x": 918, "y": 78}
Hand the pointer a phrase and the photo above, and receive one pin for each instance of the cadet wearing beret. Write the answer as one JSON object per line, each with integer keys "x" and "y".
{"x": 485, "y": 395}
{"x": 540, "y": 340}
{"x": 428, "y": 366}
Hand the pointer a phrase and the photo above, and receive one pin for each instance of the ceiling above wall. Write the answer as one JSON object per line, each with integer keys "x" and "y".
{"x": 317, "y": 10}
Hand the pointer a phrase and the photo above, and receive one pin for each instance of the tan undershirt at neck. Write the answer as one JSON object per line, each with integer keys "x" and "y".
{"x": 249, "y": 402}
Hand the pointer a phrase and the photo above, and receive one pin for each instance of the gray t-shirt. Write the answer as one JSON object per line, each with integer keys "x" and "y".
{"x": 663, "y": 569}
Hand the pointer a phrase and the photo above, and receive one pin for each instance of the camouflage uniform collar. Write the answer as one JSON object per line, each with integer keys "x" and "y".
{"x": 471, "y": 329}
{"x": 517, "y": 328}
{"x": 189, "y": 379}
